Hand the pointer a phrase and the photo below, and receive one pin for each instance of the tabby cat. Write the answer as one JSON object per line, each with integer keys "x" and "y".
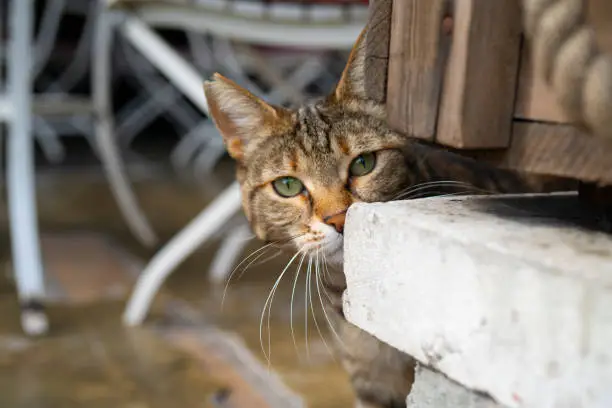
{"x": 299, "y": 172}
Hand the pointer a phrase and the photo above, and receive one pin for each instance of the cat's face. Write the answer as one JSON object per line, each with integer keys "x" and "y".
{"x": 300, "y": 170}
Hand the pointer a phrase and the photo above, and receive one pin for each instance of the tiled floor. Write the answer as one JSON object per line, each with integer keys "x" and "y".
{"x": 190, "y": 353}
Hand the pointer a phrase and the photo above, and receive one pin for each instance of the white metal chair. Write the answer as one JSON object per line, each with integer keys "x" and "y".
{"x": 30, "y": 116}
{"x": 282, "y": 24}
{"x": 45, "y": 116}
{"x": 16, "y": 111}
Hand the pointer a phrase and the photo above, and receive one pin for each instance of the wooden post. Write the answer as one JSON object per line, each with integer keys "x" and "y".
{"x": 416, "y": 63}
{"x": 377, "y": 49}
{"x": 555, "y": 150}
{"x": 480, "y": 85}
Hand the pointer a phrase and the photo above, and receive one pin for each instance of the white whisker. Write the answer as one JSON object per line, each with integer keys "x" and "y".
{"x": 269, "y": 301}
{"x": 441, "y": 194}
{"x": 306, "y": 305}
{"x": 297, "y": 275}
{"x": 260, "y": 252}
{"x": 268, "y": 258}
{"x": 329, "y": 323}
{"x": 312, "y": 303}
{"x": 325, "y": 274}
{"x": 432, "y": 184}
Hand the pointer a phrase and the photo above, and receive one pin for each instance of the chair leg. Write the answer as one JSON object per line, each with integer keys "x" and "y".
{"x": 188, "y": 146}
{"x": 208, "y": 158}
{"x": 225, "y": 259}
{"x": 201, "y": 228}
{"x": 27, "y": 260}
{"x": 109, "y": 152}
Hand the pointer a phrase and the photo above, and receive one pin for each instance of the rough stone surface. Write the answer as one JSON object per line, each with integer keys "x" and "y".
{"x": 433, "y": 390}
{"x": 496, "y": 293}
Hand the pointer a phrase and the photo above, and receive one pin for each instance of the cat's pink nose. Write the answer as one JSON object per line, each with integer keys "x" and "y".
{"x": 336, "y": 221}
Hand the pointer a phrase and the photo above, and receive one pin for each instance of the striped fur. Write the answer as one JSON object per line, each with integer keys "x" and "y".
{"x": 316, "y": 143}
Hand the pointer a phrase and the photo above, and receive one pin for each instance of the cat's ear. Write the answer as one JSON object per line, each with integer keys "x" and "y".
{"x": 241, "y": 117}
{"x": 352, "y": 82}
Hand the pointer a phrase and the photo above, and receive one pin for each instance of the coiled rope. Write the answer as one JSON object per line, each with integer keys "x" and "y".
{"x": 566, "y": 55}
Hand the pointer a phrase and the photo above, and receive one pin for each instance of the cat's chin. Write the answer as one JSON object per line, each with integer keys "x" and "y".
{"x": 333, "y": 252}
{"x": 335, "y": 258}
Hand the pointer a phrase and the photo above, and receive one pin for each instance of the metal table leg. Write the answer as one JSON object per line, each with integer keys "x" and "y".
{"x": 109, "y": 152}
{"x": 201, "y": 228}
{"x": 27, "y": 261}
{"x": 230, "y": 249}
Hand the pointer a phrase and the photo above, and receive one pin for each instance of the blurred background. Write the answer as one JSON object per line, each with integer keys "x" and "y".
{"x": 113, "y": 179}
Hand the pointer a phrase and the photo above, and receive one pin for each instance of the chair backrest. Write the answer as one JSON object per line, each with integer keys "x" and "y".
{"x": 332, "y": 24}
{"x": 296, "y": 11}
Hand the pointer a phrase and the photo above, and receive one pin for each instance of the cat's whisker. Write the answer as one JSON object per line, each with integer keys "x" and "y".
{"x": 317, "y": 270}
{"x": 432, "y": 191}
{"x": 308, "y": 269}
{"x": 437, "y": 193}
{"x": 258, "y": 250}
{"x": 297, "y": 275}
{"x": 287, "y": 240}
{"x": 269, "y": 302}
{"x": 425, "y": 184}
{"x": 329, "y": 322}
{"x": 325, "y": 278}
{"x": 433, "y": 184}
{"x": 273, "y": 293}
{"x": 264, "y": 248}
{"x": 458, "y": 193}
{"x": 258, "y": 254}
{"x": 269, "y": 258}
{"x": 441, "y": 194}
{"x": 440, "y": 183}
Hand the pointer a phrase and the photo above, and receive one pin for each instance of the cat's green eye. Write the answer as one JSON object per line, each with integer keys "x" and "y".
{"x": 362, "y": 164}
{"x": 287, "y": 186}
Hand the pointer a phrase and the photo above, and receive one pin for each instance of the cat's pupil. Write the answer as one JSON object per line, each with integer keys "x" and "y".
{"x": 362, "y": 164}
{"x": 287, "y": 186}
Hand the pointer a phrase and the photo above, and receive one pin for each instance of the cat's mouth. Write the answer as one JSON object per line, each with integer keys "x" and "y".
{"x": 331, "y": 249}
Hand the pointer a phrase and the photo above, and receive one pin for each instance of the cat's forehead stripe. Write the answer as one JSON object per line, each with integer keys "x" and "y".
{"x": 317, "y": 145}
{"x": 313, "y": 130}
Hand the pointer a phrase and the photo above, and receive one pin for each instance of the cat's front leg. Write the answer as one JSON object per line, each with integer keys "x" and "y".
{"x": 381, "y": 375}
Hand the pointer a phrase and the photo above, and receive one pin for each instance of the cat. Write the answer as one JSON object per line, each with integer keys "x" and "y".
{"x": 300, "y": 170}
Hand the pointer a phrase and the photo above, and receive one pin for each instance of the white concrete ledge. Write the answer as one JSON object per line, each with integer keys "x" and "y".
{"x": 433, "y": 390}
{"x": 491, "y": 293}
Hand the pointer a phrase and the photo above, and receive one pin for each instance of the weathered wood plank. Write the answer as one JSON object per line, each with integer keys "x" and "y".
{"x": 416, "y": 62}
{"x": 556, "y": 150}
{"x": 599, "y": 15}
{"x": 535, "y": 100}
{"x": 477, "y": 103}
{"x": 377, "y": 49}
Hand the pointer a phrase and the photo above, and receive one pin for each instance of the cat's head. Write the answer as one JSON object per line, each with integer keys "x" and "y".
{"x": 301, "y": 169}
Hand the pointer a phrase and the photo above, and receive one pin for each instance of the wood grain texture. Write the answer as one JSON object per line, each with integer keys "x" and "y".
{"x": 477, "y": 103}
{"x": 556, "y": 150}
{"x": 535, "y": 100}
{"x": 599, "y": 15}
{"x": 377, "y": 49}
{"x": 416, "y": 62}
